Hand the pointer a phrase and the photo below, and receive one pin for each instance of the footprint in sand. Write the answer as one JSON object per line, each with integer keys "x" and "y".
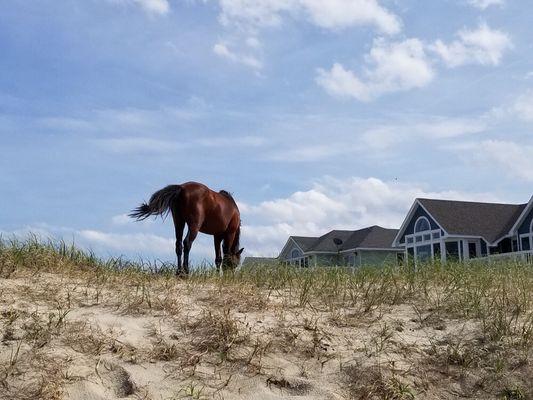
{"x": 116, "y": 379}
{"x": 291, "y": 386}
{"x": 113, "y": 382}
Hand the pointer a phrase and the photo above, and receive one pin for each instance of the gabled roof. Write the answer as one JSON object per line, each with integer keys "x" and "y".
{"x": 491, "y": 221}
{"x": 326, "y": 243}
{"x": 374, "y": 237}
{"x": 520, "y": 219}
{"x": 304, "y": 242}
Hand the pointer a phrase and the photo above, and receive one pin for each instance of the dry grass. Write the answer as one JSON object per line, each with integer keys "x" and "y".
{"x": 70, "y": 321}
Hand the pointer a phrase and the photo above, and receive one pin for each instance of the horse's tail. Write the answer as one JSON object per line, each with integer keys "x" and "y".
{"x": 159, "y": 203}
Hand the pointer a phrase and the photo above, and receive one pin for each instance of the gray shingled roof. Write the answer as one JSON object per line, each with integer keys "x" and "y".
{"x": 305, "y": 242}
{"x": 326, "y": 243}
{"x": 371, "y": 237}
{"x": 491, "y": 221}
{"x": 375, "y": 237}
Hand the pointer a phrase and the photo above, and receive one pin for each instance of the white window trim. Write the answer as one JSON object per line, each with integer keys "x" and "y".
{"x": 401, "y": 233}
{"x": 300, "y": 253}
{"x": 299, "y": 261}
{"x": 529, "y": 236}
{"x": 423, "y": 242}
{"x": 416, "y": 223}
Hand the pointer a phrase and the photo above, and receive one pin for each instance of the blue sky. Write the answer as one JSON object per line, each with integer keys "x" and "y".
{"x": 316, "y": 115}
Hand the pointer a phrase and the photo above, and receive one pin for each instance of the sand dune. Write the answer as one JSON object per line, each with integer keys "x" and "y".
{"x": 91, "y": 337}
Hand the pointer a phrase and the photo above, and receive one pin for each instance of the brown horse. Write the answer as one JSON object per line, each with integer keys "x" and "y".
{"x": 203, "y": 210}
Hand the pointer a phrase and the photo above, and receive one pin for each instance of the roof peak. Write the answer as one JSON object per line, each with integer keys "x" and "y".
{"x": 470, "y": 201}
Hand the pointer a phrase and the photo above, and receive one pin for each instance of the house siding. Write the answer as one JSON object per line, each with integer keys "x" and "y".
{"x": 526, "y": 223}
{"x": 484, "y": 250}
{"x": 326, "y": 260}
{"x": 419, "y": 212}
{"x": 378, "y": 258}
{"x": 286, "y": 255}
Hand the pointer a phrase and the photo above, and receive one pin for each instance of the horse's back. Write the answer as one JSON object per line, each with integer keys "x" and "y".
{"x": 195, "y": 188}
{"x": 213, "y": 209}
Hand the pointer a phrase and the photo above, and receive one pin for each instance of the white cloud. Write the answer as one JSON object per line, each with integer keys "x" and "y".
{"x": 331, "y": 14}
{"x": 431, "y": 129}
{"x": 121, "y": 219}
{"x": 125, "y": 220}
{"x": 132, "y": 244}
{"x": 303, "y": 152}
{"x": 442, "y": 128}
{"x": 357, "y": 139}
{"x": 253, "y": 42}
{"x": 515, "y": 159}
{"x": 154, "y": 6}
{"x": 520, "y": 107}
{"x": 232, "y": 141}
{"x": 330, "y": 203}
{"x": 523, "y": 107}
{"x": 483, "y": 4}
{"x": 151, "y": 7}
{"x": 391, "y": 67}
{"x": 343, "y": 83}
{"x": 129, "y": 242}
{"x": 222, "y": 50}
{"x": 146, "y": 145}
{"x": 483, "y": 46}
{"x": 135, "y": 145}
{"x": 336, "y": 14}
{"x": 334, "y": 204}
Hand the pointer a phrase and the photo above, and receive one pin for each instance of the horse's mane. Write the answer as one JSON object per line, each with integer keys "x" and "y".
{"x": 236, "y": 241}
{"x": 227, "y": 194}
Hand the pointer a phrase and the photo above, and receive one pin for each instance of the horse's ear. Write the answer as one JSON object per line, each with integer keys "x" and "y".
{"x": 240, "y": 251}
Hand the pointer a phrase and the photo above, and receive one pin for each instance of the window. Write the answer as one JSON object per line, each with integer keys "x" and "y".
{"x": 452, "y": 251}
{"x": 349, "y": 260}
{"x": 295, "y": 253}
{"x": 422, "y": 225}
{"x": 436, "y": 251}
{"x": 400, "y": 258}
{"x": 423, "y": 253}
{"x": 527, "y": 239}
{"x": 410, "y": 255}
{"x": 424, "y": 242}
{"x": 472, "y": 251}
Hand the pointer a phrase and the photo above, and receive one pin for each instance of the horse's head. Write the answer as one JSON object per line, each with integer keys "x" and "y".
{"x": 232, "y": 260}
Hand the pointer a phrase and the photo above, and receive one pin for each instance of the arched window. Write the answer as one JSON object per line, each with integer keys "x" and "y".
{"x": 422, "y": 224}
{"x": 531, "y": 227}
{"x": 295, "y": 253}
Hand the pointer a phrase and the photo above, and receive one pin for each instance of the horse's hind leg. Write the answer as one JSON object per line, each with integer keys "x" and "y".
{"x": 179, "y": 226}
{"x": 187, "y": 244}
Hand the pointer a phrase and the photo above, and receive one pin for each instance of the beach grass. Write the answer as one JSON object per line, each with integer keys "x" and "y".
{"x": 394, "y": 332}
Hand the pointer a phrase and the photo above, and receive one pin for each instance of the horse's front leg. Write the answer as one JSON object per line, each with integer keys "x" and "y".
{"x": 218, "y": 251}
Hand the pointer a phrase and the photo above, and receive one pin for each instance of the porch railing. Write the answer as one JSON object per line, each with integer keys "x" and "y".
{"x": 522, "y": 256}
